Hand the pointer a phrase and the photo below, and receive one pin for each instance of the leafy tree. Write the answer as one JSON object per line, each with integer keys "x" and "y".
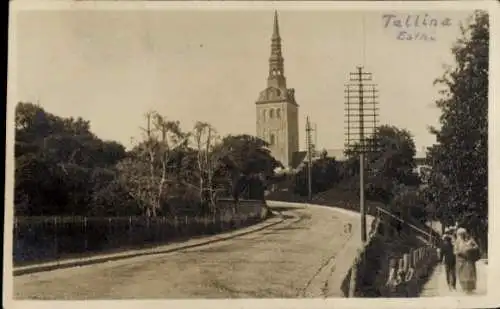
{"x": 325, "y": 174}
{"x": 106, "y": 197}
{"x": 391, "y": 165}
{"x": 147, "y": 174}
{"x": 55, "y": 159}
{"x": 62, "y": 168}
{"x": 459, "y": 160}
{"x": 37, "y": 186}
{"x": 245, "y": 164}
{"x": 409, "y": 203}
{"x": 205, "y": 140}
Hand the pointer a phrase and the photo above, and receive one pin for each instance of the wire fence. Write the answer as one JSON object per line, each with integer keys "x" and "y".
{"x": 39, "y": 239}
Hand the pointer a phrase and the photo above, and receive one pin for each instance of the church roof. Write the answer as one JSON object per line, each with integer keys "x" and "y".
{"x": 275, "y": 94}
{"x": 297, "y": 158}
{"x": 300, "y": 157}
{"x": 338, "y": 154}
{"x": 272, "y": 94}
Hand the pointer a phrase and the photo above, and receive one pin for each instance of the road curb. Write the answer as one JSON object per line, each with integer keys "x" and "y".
{"x": 84, "y": 262}
{"x": 340, "y": 210}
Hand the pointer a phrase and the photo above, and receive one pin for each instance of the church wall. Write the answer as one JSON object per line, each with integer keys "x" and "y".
{"x": 293, "y": 129}
{"x": 276, "y": 126}
{"x": 282, "y": 131}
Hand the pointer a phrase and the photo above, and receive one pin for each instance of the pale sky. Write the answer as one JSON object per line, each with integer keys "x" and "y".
{"x": 110, "y": 67}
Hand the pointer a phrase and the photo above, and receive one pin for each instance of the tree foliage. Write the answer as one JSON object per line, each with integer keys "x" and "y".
{"x": 62, "y": 168}
{"x": 458, "y": 185}
{"x": 390, "y": 166}
{"x": 148, "y": 173}
{"x": 205, "y": 139}
{"x": 325, "y": 172}
{"x": 246, "y": 164}
{"x": 55, "y": 159}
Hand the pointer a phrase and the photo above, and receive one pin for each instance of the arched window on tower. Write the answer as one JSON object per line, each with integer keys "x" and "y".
{"x": 278, "y": 113}
{"x": 271, "y": 113}
{"x": 271, "y": 139}
{"x": 264, "y": 115}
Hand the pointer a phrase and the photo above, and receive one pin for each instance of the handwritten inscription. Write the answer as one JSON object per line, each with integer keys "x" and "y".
{"x": 421, "y": 27}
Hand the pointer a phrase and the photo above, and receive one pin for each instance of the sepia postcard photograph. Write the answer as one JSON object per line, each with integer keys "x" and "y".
{"x": 251, "y": 154}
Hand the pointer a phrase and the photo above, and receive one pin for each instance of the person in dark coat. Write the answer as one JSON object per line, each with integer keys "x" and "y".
{"x": 449, "y": 261}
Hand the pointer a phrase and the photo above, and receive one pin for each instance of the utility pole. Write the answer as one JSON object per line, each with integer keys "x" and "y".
{"x": 315, "y": 139}
{"x": 361, "y": 118}
{"x": 310, "y": 150}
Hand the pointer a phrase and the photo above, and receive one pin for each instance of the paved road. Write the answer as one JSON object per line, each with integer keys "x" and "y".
{"x": 282, "y": 261}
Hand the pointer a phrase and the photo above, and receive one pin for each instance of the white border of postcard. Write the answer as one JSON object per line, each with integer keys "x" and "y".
{"x": 491, "y": 300}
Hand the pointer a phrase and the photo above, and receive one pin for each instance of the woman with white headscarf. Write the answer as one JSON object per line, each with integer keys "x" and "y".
{"x": 467, "y": 253}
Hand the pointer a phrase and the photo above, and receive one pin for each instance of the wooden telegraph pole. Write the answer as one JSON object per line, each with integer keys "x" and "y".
{"x": 361, "y": 118}
{"x": 310, "y": 151}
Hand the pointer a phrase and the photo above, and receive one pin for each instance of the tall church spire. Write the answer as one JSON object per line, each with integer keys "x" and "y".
{"x": 276, "y": 62}
{"x": 276, "y": 30}
{"x": 277, "y": 110}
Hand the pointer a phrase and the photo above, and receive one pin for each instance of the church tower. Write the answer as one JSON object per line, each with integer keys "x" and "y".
{"x": 277, "y": 111}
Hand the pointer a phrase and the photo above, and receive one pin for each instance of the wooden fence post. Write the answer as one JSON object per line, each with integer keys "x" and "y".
{"x": 176, "y": 226}
{"x": 130, "y": 230}
{"x": 163, "y": 224}
{"x": 406, "y": 262}
{"x": 401, "y": 270}
{"x": 56, "y": 244}
{"x": 85, "y": 233}
{"x": 109, "y": 232}
{"x": 392, "y": 273}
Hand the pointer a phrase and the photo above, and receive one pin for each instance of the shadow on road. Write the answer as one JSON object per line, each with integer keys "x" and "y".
{"x": 287, "y": 216}
{"x": 285, "y": 208}
{"x": 286, "y": 228}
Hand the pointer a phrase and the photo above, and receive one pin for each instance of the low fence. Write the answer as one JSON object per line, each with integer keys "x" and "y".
{"x": 39, "y": 239}
{"x": 408, "y": 274}
{"x": 390, "y": 266}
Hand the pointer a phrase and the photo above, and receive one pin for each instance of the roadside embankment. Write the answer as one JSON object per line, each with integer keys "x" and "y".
{"x": 390, "y": 265}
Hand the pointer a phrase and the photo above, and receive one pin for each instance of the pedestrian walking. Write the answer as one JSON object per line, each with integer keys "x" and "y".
{"x": 467, "y": 253}
{"x": 451, "y": 231}
{"x": 449, "y": 260}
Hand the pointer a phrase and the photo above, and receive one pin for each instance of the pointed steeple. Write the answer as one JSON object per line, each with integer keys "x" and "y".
{"x": 276, "y": 62}
{"x": 276, "y": 30}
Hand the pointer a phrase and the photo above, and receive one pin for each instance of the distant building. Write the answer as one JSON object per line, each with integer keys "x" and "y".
{"x": 421, "y": 166}
{"x": 338, "y": 154}
{"x": 300, "y": 157}
{"x": 277, "y": 110}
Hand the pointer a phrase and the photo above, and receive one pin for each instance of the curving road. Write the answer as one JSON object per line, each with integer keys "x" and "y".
{"x": 286, "y": 260}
